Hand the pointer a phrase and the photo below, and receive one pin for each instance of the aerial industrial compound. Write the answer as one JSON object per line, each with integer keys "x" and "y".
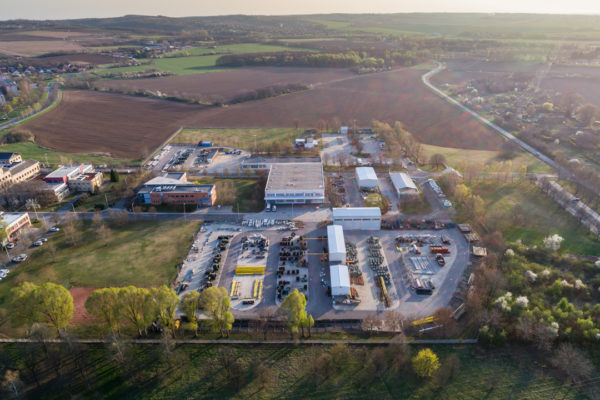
{"x": 348, "y": 260}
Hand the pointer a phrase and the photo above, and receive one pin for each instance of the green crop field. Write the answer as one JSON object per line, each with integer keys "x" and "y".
{"x": 199, "y": 63}
{"x": 29, "y": 150}
{"x": 238, "y": 138}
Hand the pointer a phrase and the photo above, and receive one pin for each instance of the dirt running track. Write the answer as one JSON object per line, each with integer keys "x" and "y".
{"x": 80, "y": 314}
{"x": 132, "y": 127}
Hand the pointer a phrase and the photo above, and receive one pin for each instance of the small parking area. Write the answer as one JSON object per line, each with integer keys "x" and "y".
{"x": 199, "y": 159}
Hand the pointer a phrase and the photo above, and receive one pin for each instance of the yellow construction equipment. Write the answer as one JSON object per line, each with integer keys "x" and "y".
{"x": 235, "y": 289}
{"x": 383, "y": 288}
{"x": 260, "y": 287}
{"x": 423, "y": 321}
{"x": 249, "y": 270}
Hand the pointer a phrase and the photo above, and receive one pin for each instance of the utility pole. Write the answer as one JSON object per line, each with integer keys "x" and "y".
{"x": 254, "y": 144}
{"x": 106, "y": 199}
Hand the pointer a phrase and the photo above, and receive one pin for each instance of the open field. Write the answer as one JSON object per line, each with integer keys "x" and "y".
{"x": 138, "y": 125}
{"x": 37, "y": 47}
{"x": 245, "y": 196}
{"x": 197, "y": 64}
{"x": 224, "y": 86}
{"x": 69, "y": 58}
{"x": 237, "y": 137}
{"x": 456, "y": 157}
{"x": 141, "y": 253}
{"x": 521, "y": 211}
{"x": 119, "y": 126}
{"x": 293, "y": 372}
{"x": 175, "y": 65}
{"x": 43, "y": 154}
{"x": 396, "y": 95}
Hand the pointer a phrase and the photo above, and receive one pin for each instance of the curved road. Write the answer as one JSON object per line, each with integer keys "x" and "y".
{"x": 507, "y": 135}
{"x": 563, "y": 172}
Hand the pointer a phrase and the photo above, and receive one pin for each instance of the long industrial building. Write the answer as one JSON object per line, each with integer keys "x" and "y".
{"x": 403, "y": 184}
{"x": 295, "y": 183}
{"x": 336, "y": 244}
{"x": 366, "y": 178}
{"x": 358, "y": 218}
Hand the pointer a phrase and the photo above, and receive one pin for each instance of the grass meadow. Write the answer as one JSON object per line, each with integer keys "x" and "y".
{"x": 238, "y": 137}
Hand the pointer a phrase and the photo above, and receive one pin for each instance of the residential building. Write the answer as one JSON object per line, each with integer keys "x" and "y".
{"x": 403, "y": 184}
{"x": 171, "y": 189}
{"x": 86, "y": 182}
{"x": 295, "y": 183}
{"x": 14, "y": 223}
{"x": 358, "y": 218}
{"x": 366, "y": 178}
{"x": 24, "y": 171}
{"x": 5, "y": 178}
{"x": 10, "y": 158}
{"x": 65, "y": 172}
{"x": 51, "y": 193}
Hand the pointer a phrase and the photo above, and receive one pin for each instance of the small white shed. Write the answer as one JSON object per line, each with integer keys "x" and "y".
{"x": 366, "y": 178}
{"x": 340, "y": 280}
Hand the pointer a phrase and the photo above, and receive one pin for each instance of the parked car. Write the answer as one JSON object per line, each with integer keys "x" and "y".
{"x": 54, "y": 229}
{"x": 3, "y": 273}
{"x": 10, "y": 246}
{"x": 38, "y": 243}
{"x": 20, "y": 258}
{"x": 44, "y": 240}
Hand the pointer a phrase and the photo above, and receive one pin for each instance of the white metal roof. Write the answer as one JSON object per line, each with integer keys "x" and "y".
{"x": 356, "y": 212}
{"x": 340, "y": 278}
{"x": 401, "y": 180}
{"x": 366, "y": 173}
{"x": 335, "y": 239}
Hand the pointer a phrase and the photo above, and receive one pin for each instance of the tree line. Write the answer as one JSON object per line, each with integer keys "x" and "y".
{"x": 300, "y": 59}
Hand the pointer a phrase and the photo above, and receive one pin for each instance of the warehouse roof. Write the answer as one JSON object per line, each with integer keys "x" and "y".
{"x": 366, "y": 173}
{"x": 356, "y": 212}
{"x": 335, "y": 239}
{"x": 340, "y": 278}
{"x": 296, "y": 176}
{"x": 401, "y": 181}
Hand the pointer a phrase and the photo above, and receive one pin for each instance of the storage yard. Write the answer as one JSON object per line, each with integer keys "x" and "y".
{"x": 260, "y": 263}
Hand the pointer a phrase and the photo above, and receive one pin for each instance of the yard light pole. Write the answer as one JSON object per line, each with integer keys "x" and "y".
{"x": 254, "y": 144}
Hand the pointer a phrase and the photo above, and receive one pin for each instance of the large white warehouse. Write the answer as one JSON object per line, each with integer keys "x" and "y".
{"x": 295, "y": 183}
{"x": 340, "y": 280}
{"x": 336, "y": 244}
{"x": 403, "y": 184}
{"x": 366, "y": 178}
{"x": 358, "y": 218}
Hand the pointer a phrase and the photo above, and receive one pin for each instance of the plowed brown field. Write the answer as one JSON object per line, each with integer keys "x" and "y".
{"x": 396, "y": 95}
{"x": 223, "y": 86}
{"x": 132, "y": 127}
{"x": 123, "y": 126}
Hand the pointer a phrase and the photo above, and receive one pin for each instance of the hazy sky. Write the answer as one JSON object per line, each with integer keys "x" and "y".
{"x": 63, "y": 9}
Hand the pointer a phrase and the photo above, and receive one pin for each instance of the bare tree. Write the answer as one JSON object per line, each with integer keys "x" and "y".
{"x": 371, "y": 323}
{"x": 572, "y": 362}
